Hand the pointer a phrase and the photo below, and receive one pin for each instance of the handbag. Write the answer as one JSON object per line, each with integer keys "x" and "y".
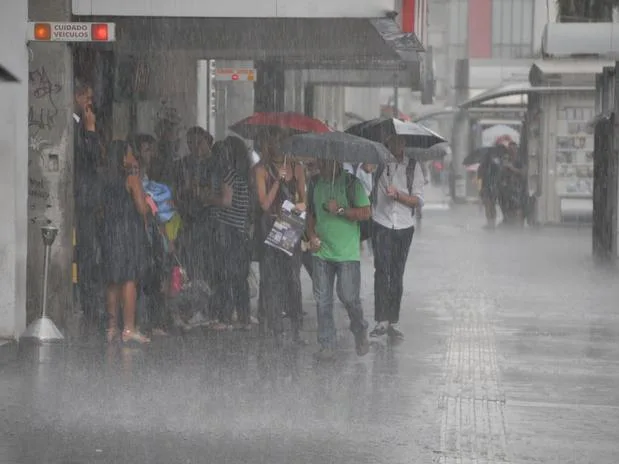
{"x": 179, "y": 280}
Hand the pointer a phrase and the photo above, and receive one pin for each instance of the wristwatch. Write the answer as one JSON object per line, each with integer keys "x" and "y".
{"x": 340, "y": 211}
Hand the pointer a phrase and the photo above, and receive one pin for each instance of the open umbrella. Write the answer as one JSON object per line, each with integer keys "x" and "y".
{"x": 479, "y": 154}
{"x": 434, "y": 153}
{"x": 294, "y": 123}
{"x": 379, "y": 129}
{"x": 337, "y": 146}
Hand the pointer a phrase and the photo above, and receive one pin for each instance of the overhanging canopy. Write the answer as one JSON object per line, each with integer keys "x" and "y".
{"x": 336, "y": 51}
{"x": 331, "y": 42}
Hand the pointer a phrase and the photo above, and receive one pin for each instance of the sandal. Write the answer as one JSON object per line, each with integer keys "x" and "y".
{"x": 220, "y": 326}
{"x": 134, "y": 336}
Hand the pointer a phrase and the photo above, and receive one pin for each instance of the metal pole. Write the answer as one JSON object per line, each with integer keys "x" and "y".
{"x": 396, "y": 111}
{"x": 45, "y": 275}
{"x": 43, "y": 329}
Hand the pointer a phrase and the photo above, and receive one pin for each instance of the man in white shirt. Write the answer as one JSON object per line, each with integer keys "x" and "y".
{"x": 397, "y": 193}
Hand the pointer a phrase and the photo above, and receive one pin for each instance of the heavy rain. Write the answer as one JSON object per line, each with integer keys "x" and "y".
{"x": 309, "y": 232}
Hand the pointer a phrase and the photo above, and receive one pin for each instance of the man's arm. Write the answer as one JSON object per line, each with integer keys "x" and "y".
{"x": 415, "y": 199}
{"x": 360, "y": 210}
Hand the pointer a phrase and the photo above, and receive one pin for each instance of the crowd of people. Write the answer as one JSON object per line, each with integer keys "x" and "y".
{"x": 169, "y": 228}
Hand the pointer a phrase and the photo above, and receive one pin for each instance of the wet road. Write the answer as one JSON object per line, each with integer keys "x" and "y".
{"x": 511, "y": 356}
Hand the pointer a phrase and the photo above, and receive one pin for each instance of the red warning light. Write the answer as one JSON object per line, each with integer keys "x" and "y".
{"x": 99, "y": 32}
{"x": 42, "y": 31}
{"x": 235, "y": 77}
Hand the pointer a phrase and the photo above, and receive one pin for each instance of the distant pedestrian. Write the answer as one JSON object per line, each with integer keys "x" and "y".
{"x": 334, "y": 233}
{"x": 398, "y": 193}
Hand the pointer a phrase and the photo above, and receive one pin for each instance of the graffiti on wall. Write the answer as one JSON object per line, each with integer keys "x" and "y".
{"x": 46, "y": 141}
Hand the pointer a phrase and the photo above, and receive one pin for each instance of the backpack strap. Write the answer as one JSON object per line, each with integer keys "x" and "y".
{"x": 310, "y": 195}
{"x": 351, "y": 190}
{"x": 410, "y": 174}
{"x": 375, "y": 179}
{"x": 410, "y": 178}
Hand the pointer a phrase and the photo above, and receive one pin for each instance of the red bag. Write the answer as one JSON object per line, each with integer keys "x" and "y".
{"x": 178, "y": 279}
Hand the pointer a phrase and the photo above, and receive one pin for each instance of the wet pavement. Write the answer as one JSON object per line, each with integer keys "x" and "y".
{"x": 510, "y": 356}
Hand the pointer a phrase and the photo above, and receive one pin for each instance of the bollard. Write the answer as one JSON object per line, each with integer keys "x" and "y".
{"x": 44, "y": 329}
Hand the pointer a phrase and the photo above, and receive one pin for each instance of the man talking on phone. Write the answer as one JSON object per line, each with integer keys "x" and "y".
{"x": 87, "y": 158}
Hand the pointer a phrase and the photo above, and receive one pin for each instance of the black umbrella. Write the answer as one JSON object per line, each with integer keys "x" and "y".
{"x": 479, "y": 154}
{"x": 435, "y": 153}
{"x": 337, "y": 146}
{"x": 379, "y": 129}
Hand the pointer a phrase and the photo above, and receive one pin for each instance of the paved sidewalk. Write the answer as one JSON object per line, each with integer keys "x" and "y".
{"x": 510, "y": 356}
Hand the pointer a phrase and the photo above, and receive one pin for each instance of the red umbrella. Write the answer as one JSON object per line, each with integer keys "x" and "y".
{"x": 294, "y": 123}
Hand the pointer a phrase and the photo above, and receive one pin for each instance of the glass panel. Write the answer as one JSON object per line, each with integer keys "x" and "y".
{"x": 496, "y": 20}
{"x": 506, "y": 22}
{"x": 527, "y": 12}
{"x": 454, "y": 20}
{"x": 463, "y": 14}
{"x": 512, "y": 28}
{"x": 519, "y": 22}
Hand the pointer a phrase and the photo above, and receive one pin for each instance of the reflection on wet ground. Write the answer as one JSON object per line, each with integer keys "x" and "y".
{"x": 510, "y": 356}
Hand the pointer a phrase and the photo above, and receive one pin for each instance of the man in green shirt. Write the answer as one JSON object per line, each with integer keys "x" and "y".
{"x": 334, "y": 235}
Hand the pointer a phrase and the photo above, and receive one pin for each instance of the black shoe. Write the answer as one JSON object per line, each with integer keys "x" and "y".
{"x": 325, "y": 354}
{"x": 393, "y": 332}
{"x": 379, "y": 330}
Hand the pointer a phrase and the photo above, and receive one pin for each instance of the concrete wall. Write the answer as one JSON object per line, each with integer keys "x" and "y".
{"x": 13, "y": 170}
{"x": 50, "y": 163}
{"x": 236, "y": 8}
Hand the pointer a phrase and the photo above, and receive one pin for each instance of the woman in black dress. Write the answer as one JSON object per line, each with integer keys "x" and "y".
{"x": 278, "y": 179}
{"x": 124, "y": 239}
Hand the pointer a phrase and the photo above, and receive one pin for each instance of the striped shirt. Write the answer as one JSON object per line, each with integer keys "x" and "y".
{"x": 237, "y": 214}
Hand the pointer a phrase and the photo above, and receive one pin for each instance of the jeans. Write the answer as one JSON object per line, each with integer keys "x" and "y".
{"x": 348, "y": 291}
{"x": 391, "y": 248}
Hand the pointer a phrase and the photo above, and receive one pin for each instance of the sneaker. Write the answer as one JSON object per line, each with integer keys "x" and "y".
{"x": 380, "y": 329}
{"x": 325, "y": 354}
{"x": 362, "y": 343}
{"x": 394, "y": 332}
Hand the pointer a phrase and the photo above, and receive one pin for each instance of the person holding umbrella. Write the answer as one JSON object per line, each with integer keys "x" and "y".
{"x": 278, "y": 179}
{"x": 398, "y": 193}
{"x": 334, "y": 237}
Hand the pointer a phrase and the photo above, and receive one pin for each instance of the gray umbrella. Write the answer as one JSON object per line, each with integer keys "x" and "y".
{"x": 435, "y": 153}
{"x": 336, "y": 146}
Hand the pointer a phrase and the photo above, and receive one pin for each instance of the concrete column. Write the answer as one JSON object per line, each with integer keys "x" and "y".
{"x": 614, "y": 187}
{"x": 269, "y": 88}
{"x": 50, "y": 160}
{"x": 460, "y": 138}
{"x": 14, "y": 172}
